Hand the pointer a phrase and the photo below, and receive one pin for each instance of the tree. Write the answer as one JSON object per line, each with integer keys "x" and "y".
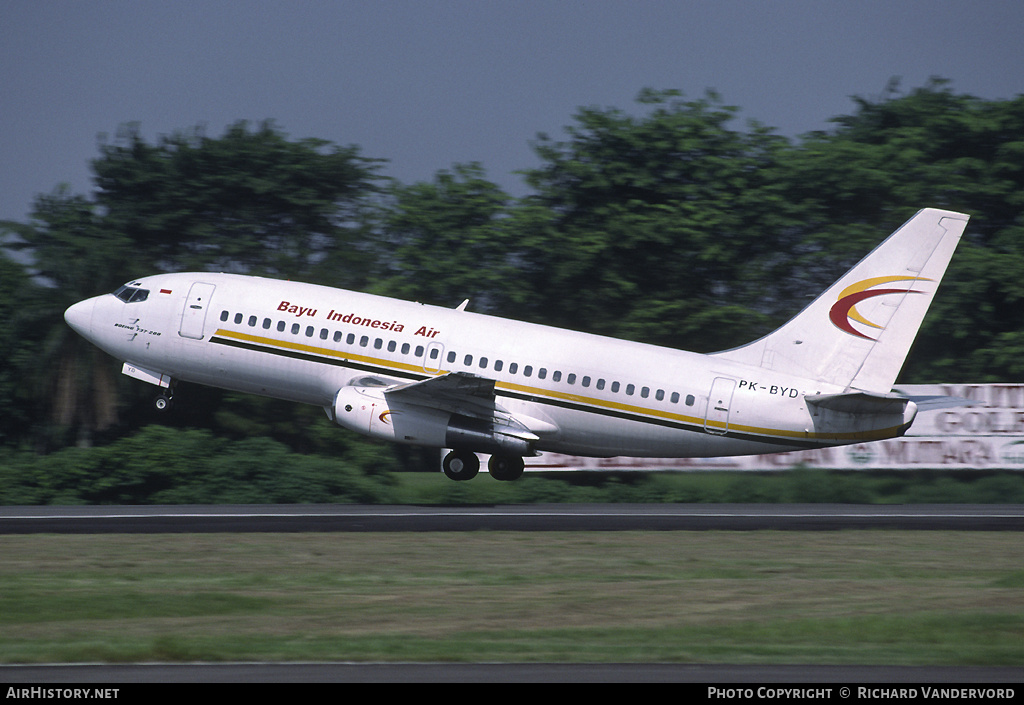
{"x": 651, "y": 227}
{"x": 929, "y": 147}
{"x": 76, "y": 256}
{"x": 249, "y": 201}
{"x": 18, "y": 339}
{"x": 446, "y": 240}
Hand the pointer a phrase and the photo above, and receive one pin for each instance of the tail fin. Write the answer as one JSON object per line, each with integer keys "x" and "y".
{"x": 858, "y": 333}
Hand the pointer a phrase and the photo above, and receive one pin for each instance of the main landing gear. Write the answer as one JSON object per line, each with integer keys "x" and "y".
{"x": 463, "y": 465}
{"x": 505, "y": 467}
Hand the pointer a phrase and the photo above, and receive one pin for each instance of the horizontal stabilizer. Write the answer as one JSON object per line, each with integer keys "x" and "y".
{"x": 860, "y": 402}
{"x": 931, "y": 403}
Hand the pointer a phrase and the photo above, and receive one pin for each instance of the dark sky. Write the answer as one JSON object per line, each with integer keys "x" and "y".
{"x": 429, "y": 83}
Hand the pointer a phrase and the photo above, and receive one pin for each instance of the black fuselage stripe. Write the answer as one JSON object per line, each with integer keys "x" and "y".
{"x": 310, "y": 357}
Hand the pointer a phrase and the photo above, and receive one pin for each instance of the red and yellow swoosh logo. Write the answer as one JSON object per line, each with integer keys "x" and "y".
{"x": 844, "y": 311}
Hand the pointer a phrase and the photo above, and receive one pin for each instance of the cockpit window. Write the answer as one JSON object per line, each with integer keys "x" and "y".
{"x": 131, "y": 294}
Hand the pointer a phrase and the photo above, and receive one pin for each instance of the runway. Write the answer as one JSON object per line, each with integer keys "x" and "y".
{"x": 551, "y": 517}
{"x": 705, "y": 674}
{"x": 554, "y": 517}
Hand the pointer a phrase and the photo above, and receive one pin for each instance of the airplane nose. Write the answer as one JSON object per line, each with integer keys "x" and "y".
{"x": 79, "y": 317}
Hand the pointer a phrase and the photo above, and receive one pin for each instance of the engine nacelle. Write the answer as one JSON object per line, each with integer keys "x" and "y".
{"x": 368, "y": 411}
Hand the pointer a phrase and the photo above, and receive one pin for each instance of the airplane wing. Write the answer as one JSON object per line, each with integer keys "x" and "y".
{"x": 452, "y": 384}
{"x": 467, "y": 395}
{"x": 455, "y": 392}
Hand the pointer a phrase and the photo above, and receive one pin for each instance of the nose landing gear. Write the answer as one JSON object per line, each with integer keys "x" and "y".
{"x": 163, "y": 402}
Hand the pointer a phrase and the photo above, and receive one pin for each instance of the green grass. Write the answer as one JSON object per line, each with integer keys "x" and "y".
{"x": 792, "y": 486}
{"x": 766, "y": 597}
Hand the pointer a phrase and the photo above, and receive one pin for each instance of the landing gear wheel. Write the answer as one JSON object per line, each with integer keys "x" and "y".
{"x": 460, "y": 465}
{"x": 505, "y": 467}
{"x": 163, "y": 402}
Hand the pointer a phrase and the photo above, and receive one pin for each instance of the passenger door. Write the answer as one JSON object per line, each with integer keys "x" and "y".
{"x": 716, "y": 420}
{"x": 193, "y": 316}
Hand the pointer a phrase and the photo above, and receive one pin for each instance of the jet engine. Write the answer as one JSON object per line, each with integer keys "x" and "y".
{"x": 368, "y": 411}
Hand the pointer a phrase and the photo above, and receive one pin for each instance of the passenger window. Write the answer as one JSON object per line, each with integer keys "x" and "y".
{"x": 252, "y": 321}
{"x": 542, "y": 373}
{"x": 645, "y": 392}
{"x": 337, "y": 336}
{"x": 281, "y": 326}
{"x": 615, "y": 387}
{"x": 571, "y": 379}
{"x": 434, "y": 352}
{"x": 513, "y": 367}
{"x": 295, "y": 328}
{"x": 419, "y": 351}
{"x": 238, "y": 318}
{"x": 630, "y": 389}
{"x": 660, "y": 395}
{"x": 690, "y": 400}
{"x": 600, "y": 384}
{"x": 586, "y": 381}
{"x": 351, "y": 339}
{"x": 528, "y": 370}
{"x": 468, "y": 360}
{"x": 310, "y": 330}
{"x": 378, "y": 344}
{"x": 451, "y": 356}
{"x": 674, "y": 398}
{"x": 392, "y": 346}
{"x": 324, "y": 333}
{"x": 405, "y": 348}
{"x": 224, "y": 315}
{"x": 266, "y": 324}
{"x": 483, "y": 363}
{"x": 556, "y": 376}
{"x": 498, "y": 364}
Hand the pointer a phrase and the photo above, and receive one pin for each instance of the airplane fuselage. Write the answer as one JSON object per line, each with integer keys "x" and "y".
{"x": 579, "y": 393}
{"x": 449, "y": 378}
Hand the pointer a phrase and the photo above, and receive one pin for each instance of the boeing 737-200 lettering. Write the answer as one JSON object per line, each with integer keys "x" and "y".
{"x": 452, "y": 379}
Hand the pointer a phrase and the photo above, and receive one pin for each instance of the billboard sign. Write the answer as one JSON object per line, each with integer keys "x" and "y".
{"x": 986, "y": 433}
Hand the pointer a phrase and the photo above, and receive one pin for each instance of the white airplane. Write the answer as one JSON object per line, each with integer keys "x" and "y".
{"x": 452, "y": 379}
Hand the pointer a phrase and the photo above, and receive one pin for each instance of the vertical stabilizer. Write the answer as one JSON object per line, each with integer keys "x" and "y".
{"x": 858, "y": 333}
